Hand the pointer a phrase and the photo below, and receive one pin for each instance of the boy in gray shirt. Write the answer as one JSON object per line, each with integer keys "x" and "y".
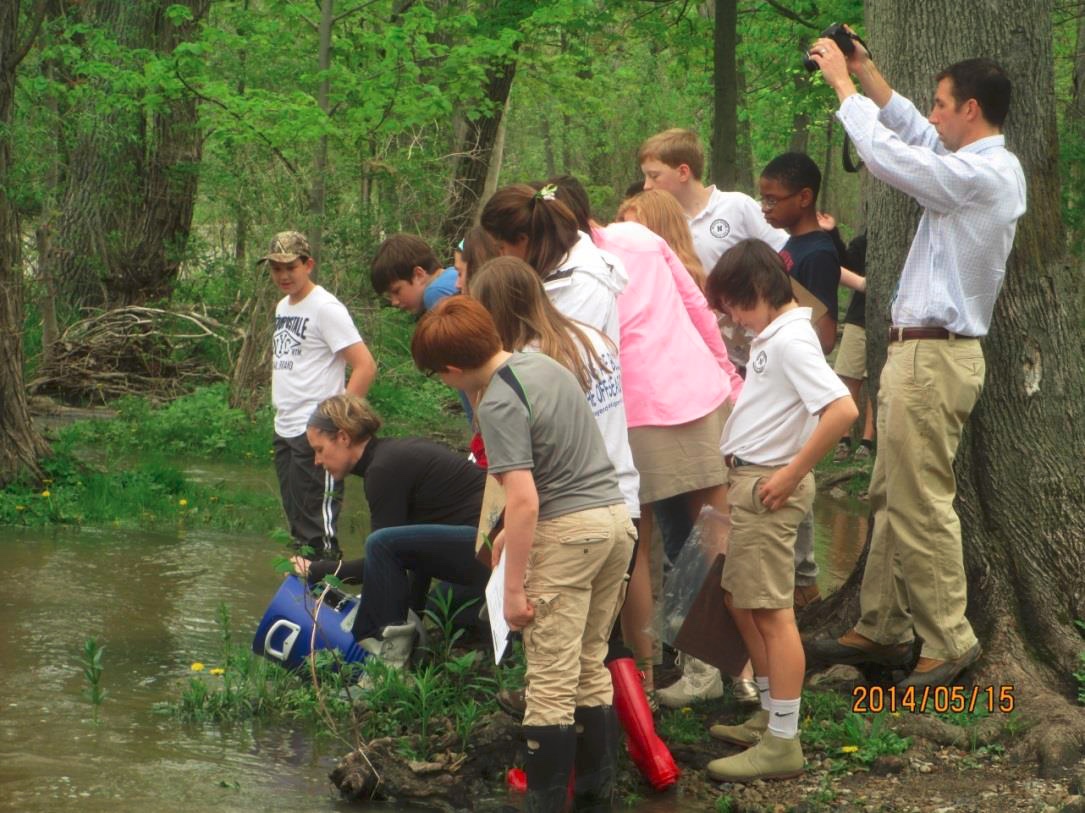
{"x": 567, "y": 539}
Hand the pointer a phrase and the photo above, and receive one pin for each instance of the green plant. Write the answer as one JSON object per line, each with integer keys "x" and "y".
{"x": 683, "y": 725}
{"x": 724, "y": 804}
{"x": 442, "y": 613}
{"x": 92, "y": 672}
{"x": 860, "y": 738}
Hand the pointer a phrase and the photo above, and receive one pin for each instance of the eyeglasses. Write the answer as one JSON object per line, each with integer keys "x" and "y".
{"x": 768, "y": 204}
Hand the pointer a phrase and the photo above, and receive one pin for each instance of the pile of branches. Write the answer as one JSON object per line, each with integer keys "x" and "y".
{"x": 134, "y": 350}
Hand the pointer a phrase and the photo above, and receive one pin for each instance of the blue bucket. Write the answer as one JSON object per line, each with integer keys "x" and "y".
{"x": 285, "y": 633}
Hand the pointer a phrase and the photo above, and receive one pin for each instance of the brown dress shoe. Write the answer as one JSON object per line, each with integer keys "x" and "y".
{"x": 806, "y": 594}
{"x": 853, "y": 648}
{"x": 932, "y": 672}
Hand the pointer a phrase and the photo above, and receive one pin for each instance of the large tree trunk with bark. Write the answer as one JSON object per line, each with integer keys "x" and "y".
{"x": 1021, "y": 464}
{"x": 725, "y": 96}
{"x": 127, "y": 209}
{"x": 20, "y": 445}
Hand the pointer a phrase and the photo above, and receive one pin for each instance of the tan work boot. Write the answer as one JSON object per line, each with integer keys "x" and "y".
{"x": 699, "y": 682}
{"x": 746, "y": 734}
{"x": 772, "y": 758}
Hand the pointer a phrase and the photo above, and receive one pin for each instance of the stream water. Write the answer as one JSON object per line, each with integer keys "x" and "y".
{"x": 151, "y": 598}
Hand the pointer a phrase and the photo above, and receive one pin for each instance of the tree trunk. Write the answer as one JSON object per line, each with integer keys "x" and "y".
{"x": 800, "y": 122}
{"x": 1075, "y": 128}
{"x": 744, "y": 160}
{"x": 725, "y": 96}
{"x": 493, "y": 172}
{"x": 127, "y": 209}
{"x": 1020, "y": 467}
{"x": 318, "y": 193}
{"x": 468, "y": 182}
{"x": 20, "y": 444}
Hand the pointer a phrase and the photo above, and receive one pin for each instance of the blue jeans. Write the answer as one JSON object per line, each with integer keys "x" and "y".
{"x": 394, "y": 555}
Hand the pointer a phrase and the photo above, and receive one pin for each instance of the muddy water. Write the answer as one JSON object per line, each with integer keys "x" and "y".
{"x": 152, "y": 599}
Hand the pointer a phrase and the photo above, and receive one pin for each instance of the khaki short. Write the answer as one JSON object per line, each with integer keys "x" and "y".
{"x": 576, "y": 579}
{"x": 851, "y": 355}
{"x": 759, "y": 571}
{"x": 679, "y": 459}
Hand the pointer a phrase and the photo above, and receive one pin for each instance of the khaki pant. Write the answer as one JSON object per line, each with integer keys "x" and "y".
{"x": 914, "y": 574}
{"x": 576, "y": 576}
{"x": 759, "y": 571}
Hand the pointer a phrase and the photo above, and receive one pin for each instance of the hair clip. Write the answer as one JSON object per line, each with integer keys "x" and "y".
{"x": 547, "y": 192}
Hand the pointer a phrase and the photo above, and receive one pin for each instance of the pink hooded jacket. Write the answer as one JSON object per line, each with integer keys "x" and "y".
{"x": 675, "y": 367}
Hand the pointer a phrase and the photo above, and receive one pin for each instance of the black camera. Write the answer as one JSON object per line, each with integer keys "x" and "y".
{"x": 838, "y": 34}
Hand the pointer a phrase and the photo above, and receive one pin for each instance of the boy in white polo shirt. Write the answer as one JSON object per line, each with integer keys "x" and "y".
{"x": 790, "y": 413}
{"x": 674, "y": 162}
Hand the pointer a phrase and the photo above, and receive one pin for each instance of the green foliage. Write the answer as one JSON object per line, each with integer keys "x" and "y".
{"x": 830, "y": 725}
{"x": 725, "y": 804}
{"x": 151, "y": 493}
{"x": 453, "y": 692}
{"x": 684, "y": 725}
{"x": 92, "y": 673}
{"x": 201, "y": 424}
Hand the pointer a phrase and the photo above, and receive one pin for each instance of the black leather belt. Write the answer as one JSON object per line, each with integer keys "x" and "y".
{"x": 904, "y": 334}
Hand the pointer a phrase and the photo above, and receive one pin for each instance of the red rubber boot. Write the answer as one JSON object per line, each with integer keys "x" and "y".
{"x": 646, "y": 749}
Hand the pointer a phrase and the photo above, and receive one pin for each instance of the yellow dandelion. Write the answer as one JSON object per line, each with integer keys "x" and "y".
{"x": 45, "y": 493}
{"x": 217, "y": 670}
{"x": 849, "y": 749}
{"x": 687, "y": 710}
{"x": 894, "y": 714}
{"x": 197, "y": 667}
{"x": 182, "y": 502}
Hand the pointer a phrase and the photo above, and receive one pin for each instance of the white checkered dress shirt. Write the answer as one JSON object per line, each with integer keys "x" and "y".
{"x": 971, "y": 201}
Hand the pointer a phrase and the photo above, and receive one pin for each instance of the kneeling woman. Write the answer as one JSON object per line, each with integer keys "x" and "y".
{"x": 424, "y": 504}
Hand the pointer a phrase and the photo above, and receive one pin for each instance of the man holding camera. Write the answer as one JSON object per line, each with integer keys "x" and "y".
{"x": 972, "y": 190}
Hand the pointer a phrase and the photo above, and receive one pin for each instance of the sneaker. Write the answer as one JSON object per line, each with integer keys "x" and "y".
{"x": 746, "y": 734}
{"x": 771, "y": 758}
{"x": 699, "y": 682}
{"x": 393, "y": 648}
{"x": 745, "y": 691}
{"x": 843, "y": 451}
{"x": 864, "y": 452}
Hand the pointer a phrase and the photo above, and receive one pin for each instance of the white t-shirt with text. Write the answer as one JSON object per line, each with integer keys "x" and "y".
{"x": 306, "y": 364}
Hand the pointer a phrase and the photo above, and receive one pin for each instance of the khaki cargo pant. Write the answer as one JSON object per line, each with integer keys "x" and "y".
{"x": 914, "y": 574}
{"x": 575, "y": 578}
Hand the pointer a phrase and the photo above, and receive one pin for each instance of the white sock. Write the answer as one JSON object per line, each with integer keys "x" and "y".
{"x": 784, "y": 717}
{"x": 762, "y": 691}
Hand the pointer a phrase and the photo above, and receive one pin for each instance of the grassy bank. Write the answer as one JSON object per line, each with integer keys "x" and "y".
{"x": 130, "y": 470}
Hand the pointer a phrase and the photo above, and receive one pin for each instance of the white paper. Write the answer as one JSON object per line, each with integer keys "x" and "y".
{"x": 495, "y": 608}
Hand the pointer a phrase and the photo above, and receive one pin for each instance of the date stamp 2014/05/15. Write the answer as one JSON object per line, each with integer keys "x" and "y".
{"x": 940, "y": 699}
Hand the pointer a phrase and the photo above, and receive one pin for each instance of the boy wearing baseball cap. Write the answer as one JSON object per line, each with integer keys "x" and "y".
{"x": 315, "y": 341}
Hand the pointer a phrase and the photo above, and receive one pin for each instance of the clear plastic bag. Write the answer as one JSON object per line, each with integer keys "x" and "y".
{"x": 708, "y": 539}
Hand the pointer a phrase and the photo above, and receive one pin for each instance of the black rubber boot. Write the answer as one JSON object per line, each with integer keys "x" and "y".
{"x": 596, "y": 757}
{"x": 551, "y": 750}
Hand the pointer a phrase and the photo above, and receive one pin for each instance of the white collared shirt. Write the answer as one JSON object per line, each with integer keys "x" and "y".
{"x": 727, "y": 218}
{"x": 788, "y": 382}
{"x": 971, "y": 200}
